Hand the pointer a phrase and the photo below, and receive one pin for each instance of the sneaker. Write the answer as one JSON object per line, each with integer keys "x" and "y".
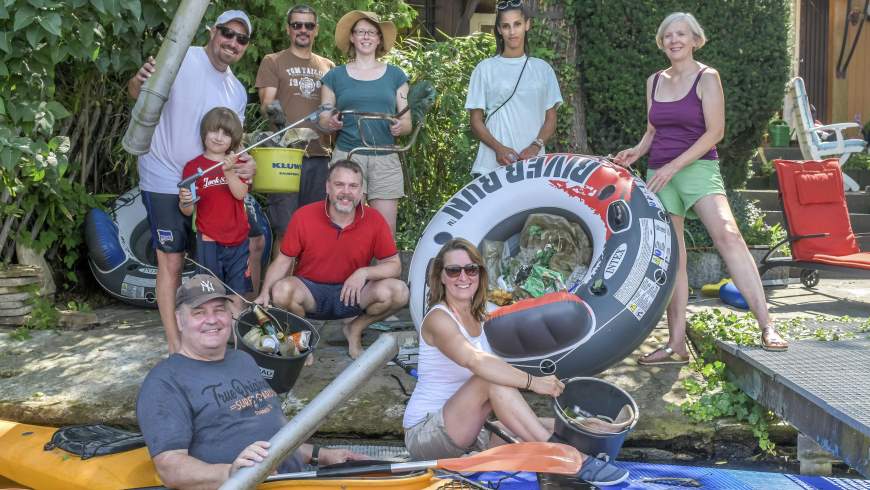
{"x": 601, "y": 473}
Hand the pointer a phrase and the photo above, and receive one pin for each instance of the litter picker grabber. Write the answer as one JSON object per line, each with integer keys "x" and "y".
{"x": 190, "y": 181}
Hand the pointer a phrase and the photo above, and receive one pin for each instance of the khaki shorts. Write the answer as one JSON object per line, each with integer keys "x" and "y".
{"x": 429, "y": 440}
{"x": 382, "y": 174}
{"x": 698, "y": 179}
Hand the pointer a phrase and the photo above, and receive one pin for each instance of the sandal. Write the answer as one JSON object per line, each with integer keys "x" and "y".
{"x": 672, "y": 358}
{"x": 772, "y": 345}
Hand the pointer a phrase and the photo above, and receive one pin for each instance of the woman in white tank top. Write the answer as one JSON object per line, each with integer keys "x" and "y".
{"x": 460, "y": 382}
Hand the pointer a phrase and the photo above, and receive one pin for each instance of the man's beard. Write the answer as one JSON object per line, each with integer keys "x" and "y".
{"x": 305, "y": 44}
{"x": 343, "y": 207}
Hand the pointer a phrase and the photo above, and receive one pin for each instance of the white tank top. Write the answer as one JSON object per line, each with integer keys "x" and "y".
{"x": 438, "y": 377}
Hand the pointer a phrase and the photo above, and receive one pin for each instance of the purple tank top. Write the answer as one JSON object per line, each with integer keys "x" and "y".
{"x": 678, "y": 125}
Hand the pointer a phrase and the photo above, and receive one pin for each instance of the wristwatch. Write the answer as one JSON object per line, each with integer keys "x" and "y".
{"x": 539, "y": 142}
{"x": 315, "y": 453}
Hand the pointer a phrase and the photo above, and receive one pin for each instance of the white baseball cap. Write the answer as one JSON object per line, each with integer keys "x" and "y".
{"x": 231, "y": 15}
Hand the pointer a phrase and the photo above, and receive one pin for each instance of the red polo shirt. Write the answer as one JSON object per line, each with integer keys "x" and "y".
{"x": 326, "y": 253}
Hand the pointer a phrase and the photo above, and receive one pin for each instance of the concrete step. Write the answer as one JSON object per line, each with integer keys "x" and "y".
{"x": 860, "y": 221}
{"x": 787, "y": 153}
{"x": 768, "y": 200}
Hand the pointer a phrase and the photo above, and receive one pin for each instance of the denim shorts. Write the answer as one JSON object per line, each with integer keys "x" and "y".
{"x": 327, "y": 302}
{"x": 229, "y": 263}
{"x": 698, "y": 179}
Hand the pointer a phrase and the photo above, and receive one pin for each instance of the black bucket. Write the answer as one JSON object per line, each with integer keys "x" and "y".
{"x": 596, "y": 397}
{"x": 279, "y": 371}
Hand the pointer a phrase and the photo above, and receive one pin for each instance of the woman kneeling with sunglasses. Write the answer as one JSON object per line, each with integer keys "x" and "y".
{"x": 461, "y": 383}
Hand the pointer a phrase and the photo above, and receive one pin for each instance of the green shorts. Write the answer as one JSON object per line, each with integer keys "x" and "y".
{"x": 700, "y": 178}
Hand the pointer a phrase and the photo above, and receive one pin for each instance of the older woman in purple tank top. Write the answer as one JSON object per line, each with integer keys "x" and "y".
{"x": 686, "y": 118}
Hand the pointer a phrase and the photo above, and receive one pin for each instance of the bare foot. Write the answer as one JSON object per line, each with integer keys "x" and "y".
{"x": 354, "y": 345}
{"x": 309, "y": 361}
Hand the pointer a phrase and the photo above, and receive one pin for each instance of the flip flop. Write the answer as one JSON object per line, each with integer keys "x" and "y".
{"x": 672, "y": 358}
{"x": 773, "y": 346}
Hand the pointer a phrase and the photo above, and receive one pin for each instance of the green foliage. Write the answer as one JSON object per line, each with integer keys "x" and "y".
{"x": 747, "y": 43}
{"x": 44, "y": 316}
{"x": 750, "y": 220}
{"x": 713, "y": 396}
{"x": 858, "y": 161}
{"x": 440, "y": 162}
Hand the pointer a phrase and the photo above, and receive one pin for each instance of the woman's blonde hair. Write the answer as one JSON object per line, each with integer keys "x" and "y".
{"x": 437, "y": 293}
{"x": 690, "y": 20}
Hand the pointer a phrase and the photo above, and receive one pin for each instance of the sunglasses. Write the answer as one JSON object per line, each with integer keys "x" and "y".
{"x": 507, "y": 4}
{"x": 471, "y": 270}
{"x": 230, "y": 34}
{"x": 297, "y": 26}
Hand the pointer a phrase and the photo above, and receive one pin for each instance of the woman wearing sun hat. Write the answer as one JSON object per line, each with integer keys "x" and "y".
{"x": 367, "y": 84}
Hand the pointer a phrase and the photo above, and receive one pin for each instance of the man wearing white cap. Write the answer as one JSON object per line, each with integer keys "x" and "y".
{"x": 204, "y": 81}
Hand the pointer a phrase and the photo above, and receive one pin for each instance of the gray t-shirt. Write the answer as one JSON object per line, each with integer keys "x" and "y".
{"x": 214, "y": 409}
{"x": 365, "y": 96}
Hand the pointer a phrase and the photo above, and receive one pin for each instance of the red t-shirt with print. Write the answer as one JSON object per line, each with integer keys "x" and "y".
{"x": 328, "y": 254}
{"x": 219, "y": 215}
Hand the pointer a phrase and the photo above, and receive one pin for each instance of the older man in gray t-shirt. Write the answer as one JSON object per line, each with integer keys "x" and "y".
{"x": 204, "y": 411}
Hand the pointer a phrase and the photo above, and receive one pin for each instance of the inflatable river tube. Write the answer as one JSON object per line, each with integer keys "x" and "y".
{"x": 606, "y": 314}
{"x": 120, "y": 253}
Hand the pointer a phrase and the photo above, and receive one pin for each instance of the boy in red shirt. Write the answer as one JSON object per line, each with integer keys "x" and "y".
{"x": 221, "y": 222}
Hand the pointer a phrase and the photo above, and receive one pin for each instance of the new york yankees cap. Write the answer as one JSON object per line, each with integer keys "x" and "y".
{"x": 199, "y": 289}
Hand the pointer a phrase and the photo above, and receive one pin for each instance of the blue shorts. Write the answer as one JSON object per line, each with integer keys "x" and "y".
{"x": 171, "y": 231}
{"x": 229, "y": 264}
{"x": 327, "y": 302}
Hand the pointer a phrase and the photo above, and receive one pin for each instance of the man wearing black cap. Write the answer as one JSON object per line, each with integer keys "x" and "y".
{"x": 205, "y": 411}
{"x": 204, "y": 81}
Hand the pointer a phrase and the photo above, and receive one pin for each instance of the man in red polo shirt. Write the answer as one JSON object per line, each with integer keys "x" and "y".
{"x": 331, "y": 244}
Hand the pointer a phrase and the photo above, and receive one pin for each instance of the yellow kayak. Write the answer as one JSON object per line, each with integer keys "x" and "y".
{"x": 24, "y": 463}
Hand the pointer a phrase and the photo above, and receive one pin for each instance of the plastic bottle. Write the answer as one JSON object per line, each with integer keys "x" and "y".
{"x": 270, "y": 341}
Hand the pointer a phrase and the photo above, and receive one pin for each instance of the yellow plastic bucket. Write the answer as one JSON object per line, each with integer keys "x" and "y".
{"x": 278, "y": 169}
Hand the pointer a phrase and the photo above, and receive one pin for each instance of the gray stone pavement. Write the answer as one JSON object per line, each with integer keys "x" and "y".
{"x": 80, "y": 376}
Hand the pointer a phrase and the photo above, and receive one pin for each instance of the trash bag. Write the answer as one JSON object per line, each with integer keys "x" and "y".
{"x": 492, "y": 251}
{"x": 552, "y": 254}
{"x": 570, "y": 244}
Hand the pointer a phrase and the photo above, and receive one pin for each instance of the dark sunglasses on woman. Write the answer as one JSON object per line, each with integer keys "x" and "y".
{"x": 471, "y": 270}
{"x": 230, "y": 34}
{"x": 297, "y": 26}
{"x": 507, "y": 4}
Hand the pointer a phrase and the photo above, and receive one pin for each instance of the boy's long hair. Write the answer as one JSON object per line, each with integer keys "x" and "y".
{"x": 222, "y": 118}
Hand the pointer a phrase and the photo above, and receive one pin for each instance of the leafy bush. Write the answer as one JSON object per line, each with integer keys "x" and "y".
{"x": 858, "y": 161}
{"x": 747, "y": 43}
{"x": 440, "y": 162}
{"x": 750, "y": 220}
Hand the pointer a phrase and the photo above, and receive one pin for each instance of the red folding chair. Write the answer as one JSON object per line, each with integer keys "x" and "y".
{"x": 817, "y": 222}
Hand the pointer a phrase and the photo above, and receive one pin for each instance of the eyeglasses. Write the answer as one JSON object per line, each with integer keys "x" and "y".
{"x": 364, "y": 33}
{"x": 506, "y": 4}
{"x": 230, "y": 34}
{"x": 297, "y": 26}
{"x": 471, "y": 270}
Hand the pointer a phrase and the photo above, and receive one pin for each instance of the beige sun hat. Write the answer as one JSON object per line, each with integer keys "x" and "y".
{"x": 347, "y": 21}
